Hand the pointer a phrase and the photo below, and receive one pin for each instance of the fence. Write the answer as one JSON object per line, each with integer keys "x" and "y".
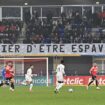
{"x": 17, "y": 12}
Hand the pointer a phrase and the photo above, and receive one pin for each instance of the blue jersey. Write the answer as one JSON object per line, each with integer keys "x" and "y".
{"x": 3, "y": 73}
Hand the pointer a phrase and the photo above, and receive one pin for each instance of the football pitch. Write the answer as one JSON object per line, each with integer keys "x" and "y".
{"x": 46, "y": 96}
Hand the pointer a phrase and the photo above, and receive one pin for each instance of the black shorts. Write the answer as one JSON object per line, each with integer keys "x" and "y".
{"x": 94, "y": 77}
{"x": 60, "y": 81}
{"x": 8, "y": 79}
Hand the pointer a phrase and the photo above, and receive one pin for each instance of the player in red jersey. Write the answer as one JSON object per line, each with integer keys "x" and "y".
{"x": 9, "y": 75}
{"x": 93, "y": 71}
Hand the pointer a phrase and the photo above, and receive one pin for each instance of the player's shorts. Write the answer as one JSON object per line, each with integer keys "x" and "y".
{"x": 94, "y": 77}
{"x": 8, "y": 78}
{"x": 60, "y": 81}
{"x": 28, "y": 78}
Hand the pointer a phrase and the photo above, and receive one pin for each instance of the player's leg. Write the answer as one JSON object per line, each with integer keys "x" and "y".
{"x": 30, "y": 83}
{"x": 31, "y": 86}
{"x": 23, "y": 82}
{"x": 60, "y": 84}
{"x": 1, "y": 83}
{"x": 4, "y": 82}
{"x": 96, "y": 83}
{"x": 7, "y": 81}
{"x": 56, "y": 89}
{"x": 12, "y": 87}
{"x": 92, "y": 80}
{"x": 57, "y": 84}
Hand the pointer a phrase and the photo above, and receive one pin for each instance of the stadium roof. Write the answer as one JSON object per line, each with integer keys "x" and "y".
{"x": 49, "y": 2}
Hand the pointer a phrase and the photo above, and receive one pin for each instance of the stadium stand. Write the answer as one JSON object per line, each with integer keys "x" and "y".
{"x": 68, "y": 28}
{"x": 10, "y": 31}
{"x": 42, "y": 23}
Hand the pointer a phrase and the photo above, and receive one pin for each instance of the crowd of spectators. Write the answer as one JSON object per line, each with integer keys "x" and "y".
{"x": 68, "y": 28}
{"x": 10, "y": 31}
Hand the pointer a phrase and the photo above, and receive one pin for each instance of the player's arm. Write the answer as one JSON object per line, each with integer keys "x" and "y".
{"x": 7, "y": 68}
{"x": 64, "y": 71}
{"x": 31, "y": 75}
{"x": 56, "y": 70}
{"x": 13, "y": 71}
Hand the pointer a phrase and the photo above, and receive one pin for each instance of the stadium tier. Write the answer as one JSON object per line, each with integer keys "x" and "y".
{"x": 52, "y": 24}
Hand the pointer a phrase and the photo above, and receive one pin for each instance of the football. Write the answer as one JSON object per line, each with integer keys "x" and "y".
{"x": 70, "y": 90}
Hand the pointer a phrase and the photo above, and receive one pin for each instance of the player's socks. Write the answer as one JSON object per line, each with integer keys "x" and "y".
{"x": 31, "y": 85}
{"x": 96, "y": 83}
{"x": 12, "y": 85}
{"x": 56, "y": 91}
{"x": 59, "y": 86}
{"x": 11, "y": 89}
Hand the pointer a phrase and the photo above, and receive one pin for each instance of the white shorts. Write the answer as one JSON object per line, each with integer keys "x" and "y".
{"x": 28, "y": 78}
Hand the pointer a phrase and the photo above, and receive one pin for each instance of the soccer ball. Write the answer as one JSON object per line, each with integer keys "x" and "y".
{"x": 70, "y": 90}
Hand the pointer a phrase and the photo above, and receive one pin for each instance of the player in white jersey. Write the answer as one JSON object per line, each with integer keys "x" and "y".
{"x": 60, "y": 76}
{"x": 28, "y": 78}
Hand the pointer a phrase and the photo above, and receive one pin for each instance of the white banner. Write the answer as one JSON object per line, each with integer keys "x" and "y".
{"x": 52, "y": 49}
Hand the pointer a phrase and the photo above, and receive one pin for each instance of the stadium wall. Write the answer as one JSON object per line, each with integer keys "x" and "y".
{"x": 78, "y": 65}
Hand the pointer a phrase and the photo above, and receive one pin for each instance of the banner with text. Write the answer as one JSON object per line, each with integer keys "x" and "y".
{"x": 82, "y": 80}
{"x": 52, "y": 49}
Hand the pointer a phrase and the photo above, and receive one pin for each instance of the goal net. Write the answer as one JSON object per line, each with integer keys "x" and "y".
{"x": 40, "y": 71}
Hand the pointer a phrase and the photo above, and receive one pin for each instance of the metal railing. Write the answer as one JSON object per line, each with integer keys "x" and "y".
{"x": 17, "y": 12}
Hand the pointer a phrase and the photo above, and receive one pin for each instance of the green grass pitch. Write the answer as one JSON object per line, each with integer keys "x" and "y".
{"x": 46, "y": 96}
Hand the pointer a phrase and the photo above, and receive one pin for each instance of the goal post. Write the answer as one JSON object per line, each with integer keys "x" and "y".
{"x": 40, "y": 71}
{"x": 47, "y": 77}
